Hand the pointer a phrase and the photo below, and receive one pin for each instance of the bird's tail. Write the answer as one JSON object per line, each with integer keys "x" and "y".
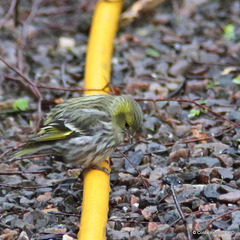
{"x": 30, "y": 149}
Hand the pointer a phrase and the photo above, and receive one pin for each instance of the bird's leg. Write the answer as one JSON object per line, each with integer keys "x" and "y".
{"x": 100, "y": 169}
{"x": 97, "y": 167}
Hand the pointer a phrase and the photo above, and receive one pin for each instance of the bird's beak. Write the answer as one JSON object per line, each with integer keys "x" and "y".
{"x": 130, "y": 138}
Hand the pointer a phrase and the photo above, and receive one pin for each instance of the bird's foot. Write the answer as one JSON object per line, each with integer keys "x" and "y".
{"x": 96, "y": 167}
{"x": 103, "y": 169}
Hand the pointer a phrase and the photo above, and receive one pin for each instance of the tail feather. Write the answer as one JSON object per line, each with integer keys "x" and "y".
{"x": 29, "y": 150}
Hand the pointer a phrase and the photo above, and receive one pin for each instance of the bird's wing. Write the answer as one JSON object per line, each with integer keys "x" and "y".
{"x": 73, "y": 123}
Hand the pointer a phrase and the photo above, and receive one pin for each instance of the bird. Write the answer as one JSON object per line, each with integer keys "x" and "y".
{"x": 84, "y": 131}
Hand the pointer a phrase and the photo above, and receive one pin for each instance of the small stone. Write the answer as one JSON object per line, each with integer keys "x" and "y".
{"x": 195, "y": 86}
{"x": 210, "y": 191}
{"x": 196, "y": 203}
{"x": 23, "y": 236}
{"x": 134, "y": 199}
{"x": 148, "y": 212}
{"x": 220, "y": 225}
{"x": 7, "y": 205}
{"x": 222, "y": 235}
{"x": 8, "y": 234}
{"x": 146, "y": 201}
{"x": 226, "y": 173}
{"x": 55, "y": 230}
{"x": 156, "y": 174}
{"x": 179, "y": 67}
{"x": 199, "y": 225}
{"x": 67, "y": 237}
{"x": 156, "y": 148}
{"x": 216, "y": 148}
{"x": 153, "y": 226}
{"x": 24, "y": 201}
{"x": 237, "y": 173}
{"x": 181, "y": 236}
{"x": 44, "y": 198}
{"x": 207, "y": 207}
{"x": 176, "y": 155}
{"x": 226, "y": 160}
{"x": 127, "y": 229}
{"x": 66, "y": 43}
{"x": 135, "y": 158}
{"x": 182, "y": 130}
{"x": 235, "y": 228}
{"x": 114, "y": 234}
{"x": 204, "y": 175}
{"x": 230, "y": 197}
{"x": 8, "y": 219}
{"x": 204, "y": 162}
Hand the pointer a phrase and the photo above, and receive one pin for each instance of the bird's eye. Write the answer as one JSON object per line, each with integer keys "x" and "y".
{"x": 126, "y": 125}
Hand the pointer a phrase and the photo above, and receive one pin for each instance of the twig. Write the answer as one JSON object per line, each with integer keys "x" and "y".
{"x": 28, "y": 21}
{"x": 200, "y": 139}
{"x": 39, "y": 114}
{"x": 31, "y": 85}
{"x": 217, "y": 64}
{"x": 178, "y": 207}
{"x": 58, "y": 10}
{"x": 177, "y": 203}
{"x": 9, "y": 150}
{"x": 8, "y": 14}
{"x": 144, "y": 180}
{"x": 28, "y": 157}
{"x": 181, "y": 85}
{"x": 63, "y": 77}
{"x": 222, "y": 215}
{"x": 21, "y": 172}
{"x": 193, "y": 102}
{"x": 54, "y": 185}
{"x": 16, "y": 21}
{"x": 39, "y": 85}
{"x": 188, "y": 141}
{"x": 23, "y": 39}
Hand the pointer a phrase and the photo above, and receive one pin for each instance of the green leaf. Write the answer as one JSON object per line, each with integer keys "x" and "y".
{"x": 228, "y": 32}
{"x": 202, "y": 102}
{"x": 20, "y": 104}
{"x": 152, "y": 52}
{"x": 237, "y": 80}
{"x": 212, "y": 84}
{"x": 31, "y": 123}
{"x": 194, "y": 112}
{"x": 238, "y": 140}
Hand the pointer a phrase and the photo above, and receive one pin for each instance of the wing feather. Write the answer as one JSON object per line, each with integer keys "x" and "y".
{"x": 81, "y": 122}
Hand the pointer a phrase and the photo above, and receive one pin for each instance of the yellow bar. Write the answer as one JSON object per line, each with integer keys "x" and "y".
{"x": 100, "y": 46}
{"x": 97, "y": 76}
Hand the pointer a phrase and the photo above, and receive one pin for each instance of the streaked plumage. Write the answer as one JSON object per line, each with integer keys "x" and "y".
{"x": 86, "y": 130}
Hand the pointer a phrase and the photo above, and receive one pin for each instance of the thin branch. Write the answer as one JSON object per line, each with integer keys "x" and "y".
{"x": 58, "y": 10}
{"x": 193, "y": 102}
{"x": 33, "y": 89}
{"x": 31, "y": 85}
{"x": 39, "y": 85}
{"x": 144, "y": 180}
{"x": 21, "y": 172}
{"x": 28, "y": 21}
{"x": 8, "y": 14}
{"x": 222, "y": 215}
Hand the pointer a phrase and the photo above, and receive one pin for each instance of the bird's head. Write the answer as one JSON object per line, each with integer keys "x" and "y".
{"x": 127, "y": 114}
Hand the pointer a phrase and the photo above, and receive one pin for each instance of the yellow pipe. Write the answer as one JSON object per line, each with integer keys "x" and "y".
{"x": 97, "y": 76}
{"x": 100, "y": 46}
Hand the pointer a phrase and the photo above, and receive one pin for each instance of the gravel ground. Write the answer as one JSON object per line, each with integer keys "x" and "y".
{"x": 188, "y": 154}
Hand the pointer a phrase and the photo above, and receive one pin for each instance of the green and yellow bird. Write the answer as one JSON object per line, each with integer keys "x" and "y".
{"x": 86, "y": 130}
